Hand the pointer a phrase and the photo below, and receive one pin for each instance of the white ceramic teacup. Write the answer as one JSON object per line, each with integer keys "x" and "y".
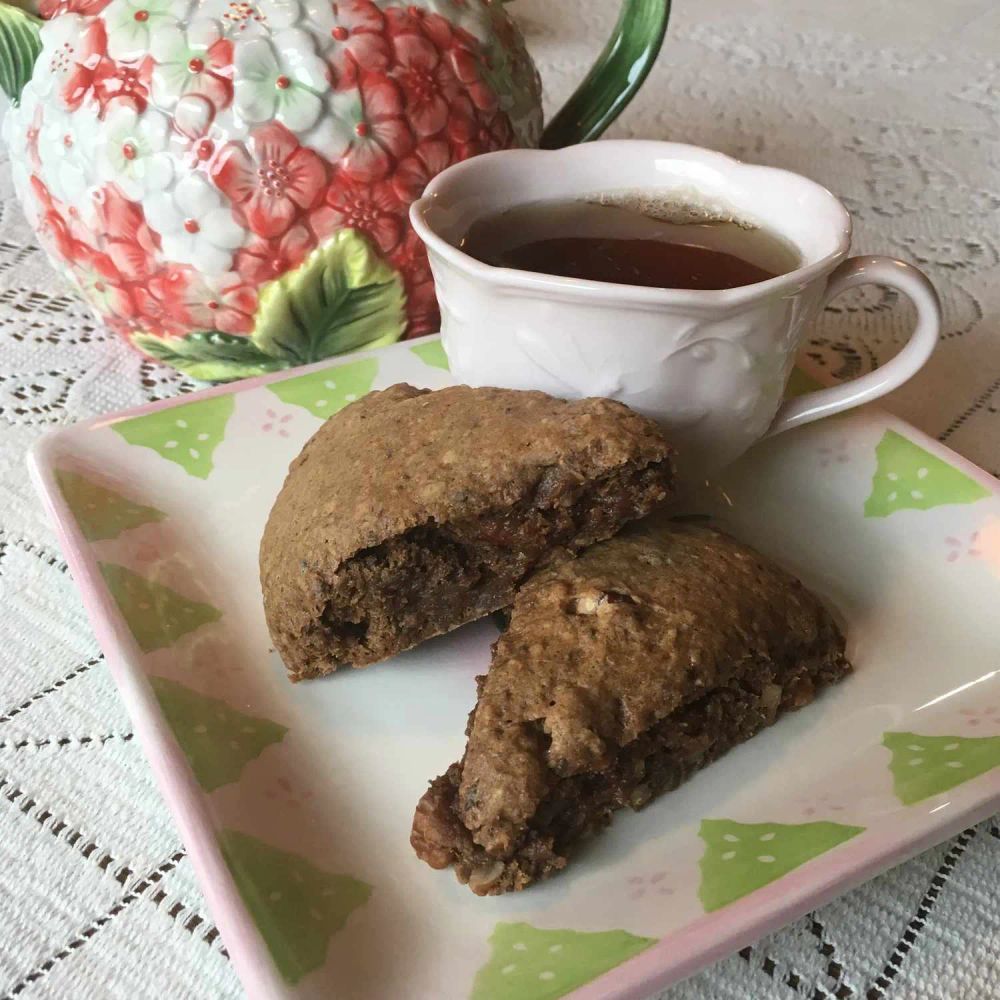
{"x": 710, "y": 366}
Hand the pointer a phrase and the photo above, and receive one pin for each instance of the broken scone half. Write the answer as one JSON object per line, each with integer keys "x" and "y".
{"x": 411, "y": 512}
{"x": 620, "y": 674}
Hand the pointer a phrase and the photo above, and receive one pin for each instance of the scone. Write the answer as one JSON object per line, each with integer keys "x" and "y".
{"x": 619, "y": 674}
{"x": 411, "y": 512}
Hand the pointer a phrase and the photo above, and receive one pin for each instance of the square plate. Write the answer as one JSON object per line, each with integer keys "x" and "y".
{"x": 295, "y": 801}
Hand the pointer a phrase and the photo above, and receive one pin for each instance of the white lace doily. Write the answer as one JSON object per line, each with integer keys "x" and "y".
{"x": 895, "y": 108}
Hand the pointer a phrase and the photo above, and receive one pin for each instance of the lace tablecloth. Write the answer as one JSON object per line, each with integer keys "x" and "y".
{"x": 894, "y": 107}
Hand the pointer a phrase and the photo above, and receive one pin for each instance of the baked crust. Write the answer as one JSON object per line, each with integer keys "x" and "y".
{"x": 619, "y": 674}
{"x": 411, "y": 512}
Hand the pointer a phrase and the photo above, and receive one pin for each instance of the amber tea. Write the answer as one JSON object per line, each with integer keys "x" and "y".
{"x": 629, "y": 242}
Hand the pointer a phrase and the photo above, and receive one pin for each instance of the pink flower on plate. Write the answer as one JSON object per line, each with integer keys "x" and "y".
{"x": 265, "y": 260}
{"x": 281, "y": 789}
{"x": 373, "y": 209}
{"x": 822, "y": 805}
{"x": 381, "y": 135}
{"x": 654, "y": 884}
{"x": 988, "y": 715}
{"x": 834, "y": 453}
{"x": 956, "y": 547}
{"x": 277, "y": 184}
{"x": 276, "y": 423}
{"x": 988, "y": 543}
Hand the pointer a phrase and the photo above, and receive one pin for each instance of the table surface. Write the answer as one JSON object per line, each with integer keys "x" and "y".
{"x": 895, "y": 108}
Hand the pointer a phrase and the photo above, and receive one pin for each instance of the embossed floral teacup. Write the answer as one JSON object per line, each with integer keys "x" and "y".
{"x": 710, "y": 365}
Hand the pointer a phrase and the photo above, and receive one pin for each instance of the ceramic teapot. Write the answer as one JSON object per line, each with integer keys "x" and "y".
{"x": 227, "y": 181}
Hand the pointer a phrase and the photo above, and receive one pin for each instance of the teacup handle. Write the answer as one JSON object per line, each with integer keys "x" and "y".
{"x": 871, "y": 271}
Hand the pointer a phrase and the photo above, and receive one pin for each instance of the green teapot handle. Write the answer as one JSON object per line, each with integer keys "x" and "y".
{"x": 19, "y": 47}
{"x": 616, "y": 76}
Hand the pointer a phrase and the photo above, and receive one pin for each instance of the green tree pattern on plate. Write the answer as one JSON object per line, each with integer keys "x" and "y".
{"x": 156, "y": 615}
{"x": 532, "y": 964}
{"x": 908, "y": 477}
{"x": 740, "y": 858}
{"x": 217, "y": 740}
{"x": 101, "y": 513}
{"x": 187, "y": 435}
{"x": 923, "y": 766}
{"x": 432, "y": 353}
{"x": 325, "y": 392}
{"x": 296, "y": 906}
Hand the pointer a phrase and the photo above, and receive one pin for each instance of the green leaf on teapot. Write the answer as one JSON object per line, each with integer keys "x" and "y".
{"x": 340, "y": 298}
{"x": 210, "y": 356}
{"x": 20, "y": 44}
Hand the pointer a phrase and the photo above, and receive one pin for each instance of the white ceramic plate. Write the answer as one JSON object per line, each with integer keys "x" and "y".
{"x": 295, "y": 801}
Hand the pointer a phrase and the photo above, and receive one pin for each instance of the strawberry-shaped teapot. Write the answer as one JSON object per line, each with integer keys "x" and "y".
{"x": 227, "y": 181}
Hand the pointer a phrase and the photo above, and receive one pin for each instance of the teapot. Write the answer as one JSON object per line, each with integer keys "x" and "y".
{"x": 227, "y": 182}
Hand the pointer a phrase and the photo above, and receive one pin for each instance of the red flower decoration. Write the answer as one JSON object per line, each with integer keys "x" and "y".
{"x": 484, "y": 135}
{"x": 276, "y": 185}
{"x": 373, "y": 209}
{"x": 214, "y": 79}
{"x": 428, "y": 81}
{"x": 160, "y": 301}
{"x": 87, "y": 60}
{"x": 360, "y": 42}
{"x": 411, "y": 20}
{"x": 383, "y": 136}
{"x": 414, "y": 173}
{"x": 105, "y": 286}
{"x": 467, "y": 70}
{"x": 122, "y": 82}
{"x": 57, "y": 230}
{"x": 131, "y": 244}
{"x": 410, "y": 259}
{"x": 49, "y": 8}
{"x": 31, "y": 138}
{"x": 231, "y": 309}
{"x": 266, "y": 260}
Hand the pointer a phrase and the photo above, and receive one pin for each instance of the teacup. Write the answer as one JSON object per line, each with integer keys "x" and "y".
{"x": 709, "y": 365}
